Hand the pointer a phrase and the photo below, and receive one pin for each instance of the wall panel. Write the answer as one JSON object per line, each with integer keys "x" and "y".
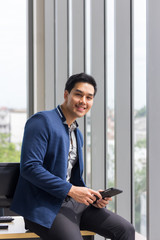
{"x": 76, "y": 36}
{"x": 153, "y": 117}
{"x": 49, "y": 54}
{"x": 97, "y": 113}
{"x": 76, "y": 41}
{"x": 123, "y": 106}
{"x": 61, "y": 48}
{"x": 39, "y": 53}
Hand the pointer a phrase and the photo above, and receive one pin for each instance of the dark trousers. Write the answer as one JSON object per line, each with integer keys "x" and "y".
{"x": 74, "y": 216}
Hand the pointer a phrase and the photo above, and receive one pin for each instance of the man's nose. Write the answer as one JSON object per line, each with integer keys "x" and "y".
{"x": 83, "y": 100}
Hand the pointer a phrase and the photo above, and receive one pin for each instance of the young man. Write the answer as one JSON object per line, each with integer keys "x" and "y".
{"x": 51, "y": 194}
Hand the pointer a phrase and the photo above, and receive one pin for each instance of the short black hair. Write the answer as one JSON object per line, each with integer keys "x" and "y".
{"x": 81, "y": 77}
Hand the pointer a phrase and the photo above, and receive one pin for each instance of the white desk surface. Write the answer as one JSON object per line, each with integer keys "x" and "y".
{"x": 15, "y": 230}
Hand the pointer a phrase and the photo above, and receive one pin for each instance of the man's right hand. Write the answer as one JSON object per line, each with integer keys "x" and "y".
{"x": 84, "y": 195}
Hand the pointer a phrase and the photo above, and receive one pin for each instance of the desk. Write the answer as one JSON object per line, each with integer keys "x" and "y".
{"x": 16, "y": 230}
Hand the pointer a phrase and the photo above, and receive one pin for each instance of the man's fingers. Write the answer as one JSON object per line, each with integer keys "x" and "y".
{"x": 96, "y": 193}
{"x": 84, "y": 195}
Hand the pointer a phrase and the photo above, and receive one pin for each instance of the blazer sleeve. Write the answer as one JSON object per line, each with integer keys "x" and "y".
{"x": 34, "y": 147}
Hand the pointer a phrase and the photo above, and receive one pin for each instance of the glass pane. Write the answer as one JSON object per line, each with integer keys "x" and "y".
{"x": 140, "y": 116}
{"x": 88, "y": 151}
{"x": 12, "y": 78}
{"x": 88, "y": 71}
{"x": 110, "y": 100}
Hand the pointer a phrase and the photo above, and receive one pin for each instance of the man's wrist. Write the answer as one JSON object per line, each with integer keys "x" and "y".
{"x": 70, "y": 193}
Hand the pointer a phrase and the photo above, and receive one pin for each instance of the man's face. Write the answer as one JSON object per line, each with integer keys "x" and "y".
{"x": 80, "y": 100}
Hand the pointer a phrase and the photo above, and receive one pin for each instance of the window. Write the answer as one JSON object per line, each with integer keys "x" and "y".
{"x": 140, "y": 116}
{"x": 110, "y": 101}
{"x": 88, "y": 116}
{"x": 13, "y": 78}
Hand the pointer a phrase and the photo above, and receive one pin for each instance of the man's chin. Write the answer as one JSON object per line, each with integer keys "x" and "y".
{"x": 80, "y": 114}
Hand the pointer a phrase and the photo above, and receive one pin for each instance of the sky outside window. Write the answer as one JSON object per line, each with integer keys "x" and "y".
{"x": 13, "y": 53}
{"x": 12, "y": 78}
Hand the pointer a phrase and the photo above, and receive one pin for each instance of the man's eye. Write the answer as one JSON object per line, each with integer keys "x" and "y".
{"x": 89, "y": 98}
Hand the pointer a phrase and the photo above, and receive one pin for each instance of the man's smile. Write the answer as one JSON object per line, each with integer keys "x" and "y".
{"x": 81, "y": 108}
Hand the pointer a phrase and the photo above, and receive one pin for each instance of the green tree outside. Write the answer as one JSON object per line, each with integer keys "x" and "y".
{"x": 141, "y": 143}
{"x": 8, "y": 151}
{"x": 141, "y": 112}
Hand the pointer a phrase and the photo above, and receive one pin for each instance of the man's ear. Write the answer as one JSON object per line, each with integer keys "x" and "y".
{"x": 66, "y": 93}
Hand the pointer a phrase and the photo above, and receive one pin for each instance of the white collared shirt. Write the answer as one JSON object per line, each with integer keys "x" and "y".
{"x": 72, "y": 156}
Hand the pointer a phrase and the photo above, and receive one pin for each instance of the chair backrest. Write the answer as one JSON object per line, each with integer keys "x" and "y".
{"x": 9, "y": 174}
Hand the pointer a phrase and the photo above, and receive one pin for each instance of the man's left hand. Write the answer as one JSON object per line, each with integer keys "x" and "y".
{"x": 101, "y": 203}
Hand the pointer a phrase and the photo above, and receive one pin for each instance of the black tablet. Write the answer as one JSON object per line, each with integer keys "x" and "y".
{"x": 110, "y": 192}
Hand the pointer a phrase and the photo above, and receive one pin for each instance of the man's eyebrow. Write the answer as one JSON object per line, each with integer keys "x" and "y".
{"x": 77, "y": 90}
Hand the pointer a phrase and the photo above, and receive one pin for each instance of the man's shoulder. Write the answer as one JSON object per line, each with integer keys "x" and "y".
{"x": 48, "y": 113}
{"x": 43, "y": 117}
{"x": 45, "y": 114}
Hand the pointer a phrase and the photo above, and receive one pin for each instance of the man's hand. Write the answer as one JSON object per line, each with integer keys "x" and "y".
{"x": 101, "y": 203}
{"x": 84, "y": 195}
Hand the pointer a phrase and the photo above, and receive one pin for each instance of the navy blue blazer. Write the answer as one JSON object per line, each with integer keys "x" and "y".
{"x": 42, "y": 184}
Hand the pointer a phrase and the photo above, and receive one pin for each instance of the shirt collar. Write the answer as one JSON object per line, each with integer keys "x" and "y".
{"x": 73, "y": 126}
{"x": 59, "y": 110}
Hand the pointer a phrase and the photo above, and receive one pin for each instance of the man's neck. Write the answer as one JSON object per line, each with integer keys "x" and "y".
{"x": 69, "y": 118}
